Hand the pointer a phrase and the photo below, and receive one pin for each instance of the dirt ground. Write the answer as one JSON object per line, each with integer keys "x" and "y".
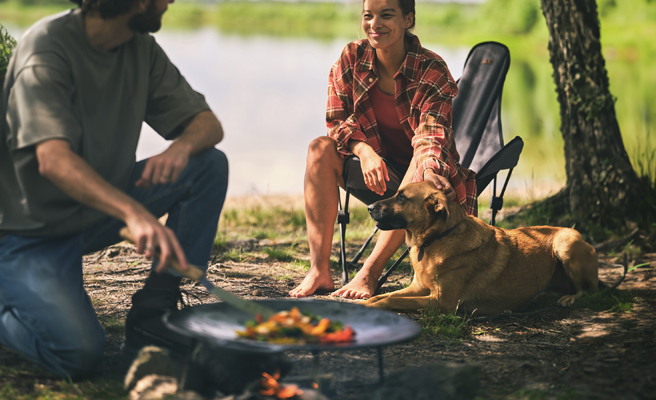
{"x": 555, "y": 354}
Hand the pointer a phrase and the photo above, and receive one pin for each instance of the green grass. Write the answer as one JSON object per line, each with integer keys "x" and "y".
{"x": 279, "y": 254}
{"x": 606, "y": 300}
{"x": 35, "y": 386}
{"x": 299, "y": 264}
{"x": 112, "y": 325}
{"x": 450, "y": 326}
{"x": 645, "y": 266}
{"x": 235, "y": 255}
{"x": 261, "y": 222}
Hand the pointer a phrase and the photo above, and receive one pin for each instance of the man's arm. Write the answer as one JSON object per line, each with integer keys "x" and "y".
{"x": 203, "y": 131}
{"x": 75, "y": 177}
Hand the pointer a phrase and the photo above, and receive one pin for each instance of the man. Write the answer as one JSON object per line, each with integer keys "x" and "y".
{"x": 78, "y": 87}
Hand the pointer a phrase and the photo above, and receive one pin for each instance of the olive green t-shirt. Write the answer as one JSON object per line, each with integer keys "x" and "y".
{"x": 58, "y": 85}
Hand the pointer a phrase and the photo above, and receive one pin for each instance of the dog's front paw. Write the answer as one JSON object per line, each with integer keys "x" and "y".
{"x": 568, "y": 301}
{"x": 374, "y": 301}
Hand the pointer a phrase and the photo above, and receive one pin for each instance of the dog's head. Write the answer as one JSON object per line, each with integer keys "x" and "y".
{"x": 415, "y": 207}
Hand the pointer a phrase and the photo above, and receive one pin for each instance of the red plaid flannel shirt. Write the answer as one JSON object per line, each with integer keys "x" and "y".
{"x": 424, "y": 92}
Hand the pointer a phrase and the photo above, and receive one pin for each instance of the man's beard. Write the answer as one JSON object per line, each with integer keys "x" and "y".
{"x": 147, "y": 21}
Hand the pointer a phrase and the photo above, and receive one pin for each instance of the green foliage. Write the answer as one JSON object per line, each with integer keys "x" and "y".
{"x": 644, "y": 162}
{"x": 7, "y": 45}
{"x": 510, "y": 16}
{"x": 40, "y": 3}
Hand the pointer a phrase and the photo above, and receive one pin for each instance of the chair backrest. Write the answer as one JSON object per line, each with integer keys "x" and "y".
{"x": 476, "y": 108}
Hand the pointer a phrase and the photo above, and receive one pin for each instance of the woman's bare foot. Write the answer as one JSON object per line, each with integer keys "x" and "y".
{"x": 314, "y": 281}
{"x": 362, "y": 286}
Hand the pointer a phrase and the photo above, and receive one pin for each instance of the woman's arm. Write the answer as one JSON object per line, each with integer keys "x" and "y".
{"x": 432, "y": 141}
{"x": 341, "y": 117}
{"x": 434, "y": 151}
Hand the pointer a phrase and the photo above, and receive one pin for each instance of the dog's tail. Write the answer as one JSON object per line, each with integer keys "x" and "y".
{"x": 617, "y": 283}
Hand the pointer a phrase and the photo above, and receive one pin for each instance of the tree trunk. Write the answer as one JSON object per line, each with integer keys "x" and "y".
{"x": 602, "y": 187}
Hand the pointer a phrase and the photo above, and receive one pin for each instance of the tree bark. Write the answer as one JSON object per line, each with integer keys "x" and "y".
{"x": 602, "y": 188}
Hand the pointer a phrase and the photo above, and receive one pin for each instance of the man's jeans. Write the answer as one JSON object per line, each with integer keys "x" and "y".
{"x": 45, "y": 313}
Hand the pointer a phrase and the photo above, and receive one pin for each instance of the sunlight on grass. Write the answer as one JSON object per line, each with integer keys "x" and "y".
{"x": 279, "y": 254}
{"x": 450, "y": 326}
{"x": 236, "y": 255}
{"x": 261, "y": 222}
{"x": 298, "y": 264}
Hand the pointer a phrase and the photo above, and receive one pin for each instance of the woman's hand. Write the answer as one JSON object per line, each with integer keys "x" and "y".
{"x": 374, "y": 168}
{"x": 440, "y": 183}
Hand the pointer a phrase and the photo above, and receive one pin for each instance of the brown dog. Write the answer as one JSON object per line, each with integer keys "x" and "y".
{"x": 463, "y": 264}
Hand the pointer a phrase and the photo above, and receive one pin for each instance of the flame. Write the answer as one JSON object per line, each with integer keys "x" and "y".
{"x": 272, "y": 388}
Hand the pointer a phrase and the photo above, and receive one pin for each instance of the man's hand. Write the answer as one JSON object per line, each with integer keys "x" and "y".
{"x": 201, "y": 132}
{"x": 164, "y": 168}
{"x": 153, "y": 239}
{"x": 441, "y": 183}
{"x": 373, "y": 167}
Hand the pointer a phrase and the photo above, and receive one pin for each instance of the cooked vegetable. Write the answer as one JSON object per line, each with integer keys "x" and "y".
{"x": 295, "y": 327}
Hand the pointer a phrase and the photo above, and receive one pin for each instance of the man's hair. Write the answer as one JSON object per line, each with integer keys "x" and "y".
{"x": 106, "y": 8}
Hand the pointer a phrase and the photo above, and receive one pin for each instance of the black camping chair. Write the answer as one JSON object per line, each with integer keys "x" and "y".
{"x": 477, "y": 132}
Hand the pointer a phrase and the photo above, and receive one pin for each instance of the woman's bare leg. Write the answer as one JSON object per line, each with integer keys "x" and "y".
{"x": 323, "y": 172}
{"x": 365, "y": 282}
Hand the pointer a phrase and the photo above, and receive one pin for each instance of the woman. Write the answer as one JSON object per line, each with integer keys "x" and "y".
{"x": 388, "y": 97}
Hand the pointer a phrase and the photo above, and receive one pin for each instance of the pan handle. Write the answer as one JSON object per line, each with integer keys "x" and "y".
{"x": 193, "y": 272}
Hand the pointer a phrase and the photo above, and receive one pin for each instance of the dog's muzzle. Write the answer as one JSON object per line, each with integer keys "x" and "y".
{"x": 386, "y": 219}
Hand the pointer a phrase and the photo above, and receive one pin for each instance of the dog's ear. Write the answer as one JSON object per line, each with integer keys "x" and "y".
{"x": 439, "y": 205}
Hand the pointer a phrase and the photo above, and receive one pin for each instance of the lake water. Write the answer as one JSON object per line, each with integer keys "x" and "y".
{"x": 270, "y": 95}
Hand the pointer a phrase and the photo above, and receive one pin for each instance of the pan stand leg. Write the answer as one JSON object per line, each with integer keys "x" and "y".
{"x": 381, "y": 372}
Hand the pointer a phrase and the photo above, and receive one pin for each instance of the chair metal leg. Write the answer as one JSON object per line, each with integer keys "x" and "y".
{"x": 391, "y": 269}
{"x": 343, "y": 218}
{"x": 357, "y": 257}
{"x": 496, "y": 203}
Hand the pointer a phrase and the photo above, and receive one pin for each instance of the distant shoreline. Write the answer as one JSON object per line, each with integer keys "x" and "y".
{"x": 517, "y": 23}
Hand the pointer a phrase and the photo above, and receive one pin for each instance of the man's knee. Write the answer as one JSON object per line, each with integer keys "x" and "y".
{"x": 214, "y": 166}
{"x": 322, "y": 149}
{"x": 214, "y": 160}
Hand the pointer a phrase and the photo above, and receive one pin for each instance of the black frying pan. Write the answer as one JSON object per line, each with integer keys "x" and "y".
{"x": 216, "y": 323}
